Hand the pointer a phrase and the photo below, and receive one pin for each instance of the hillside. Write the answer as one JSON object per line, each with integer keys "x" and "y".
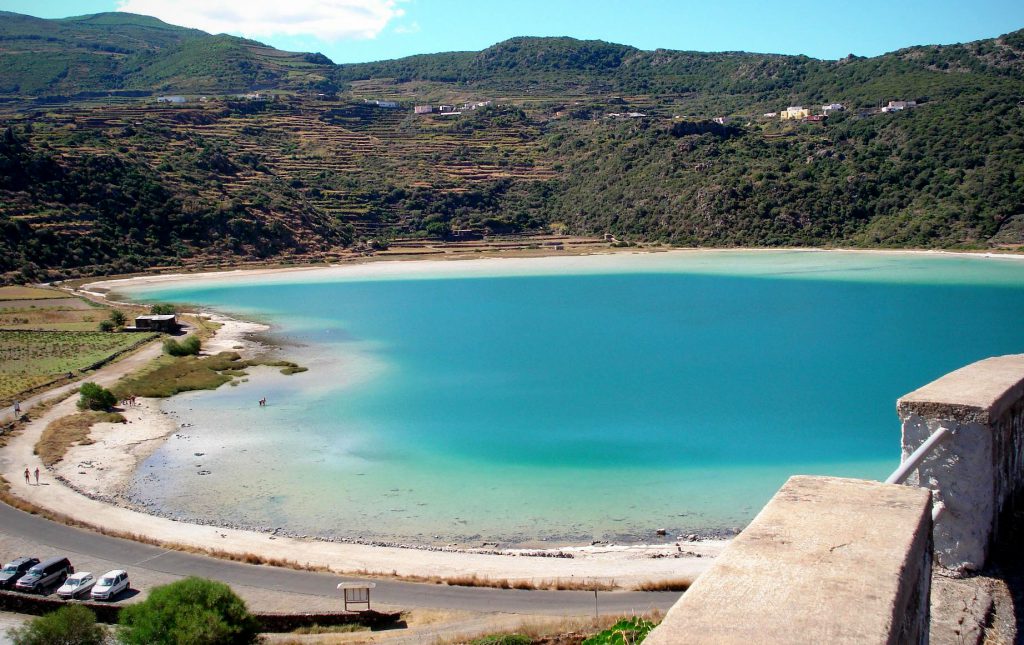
{"x": 582, "y": 137}
{"x": 123, "y": 52}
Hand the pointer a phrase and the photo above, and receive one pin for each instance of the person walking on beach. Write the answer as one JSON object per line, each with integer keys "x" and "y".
{"x": 27, "y": 480}
{"x": 37, "y": 476}
{"x": 17, "y": 408}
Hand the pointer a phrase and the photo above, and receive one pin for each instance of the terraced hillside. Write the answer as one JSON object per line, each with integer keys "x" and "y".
{"x": 289, "y": 178}
{"x": 577, "y": 137}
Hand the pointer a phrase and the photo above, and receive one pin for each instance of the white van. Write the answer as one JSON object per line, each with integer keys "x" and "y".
{"x": 110, "y": 584}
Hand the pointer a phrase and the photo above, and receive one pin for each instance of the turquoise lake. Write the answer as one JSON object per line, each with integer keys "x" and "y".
{"x": 564, "y": 400}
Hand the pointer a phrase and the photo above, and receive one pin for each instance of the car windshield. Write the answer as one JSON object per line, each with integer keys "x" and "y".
{"x": 106, "y": 582}
{"x": 10, "y": 569}
{"x": 74, "y": 583}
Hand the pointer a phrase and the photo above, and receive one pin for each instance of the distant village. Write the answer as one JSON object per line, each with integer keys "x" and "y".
{"x": 801, "y": 113}
{"x": 797, "y": 113}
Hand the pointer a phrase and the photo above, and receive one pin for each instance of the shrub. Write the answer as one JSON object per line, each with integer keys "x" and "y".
{"x": 117, "y": 317}
{"x": 502, "y": 639}
{"x": 192, "y": 610}
{"x": 95, "y": 397}
{"x": 628, "y": 631}
{"x": 161, "y": 309}
{"x": 107, "y": 325}
{"x": 73, "y": 625}
{"x": 188, "y": 347}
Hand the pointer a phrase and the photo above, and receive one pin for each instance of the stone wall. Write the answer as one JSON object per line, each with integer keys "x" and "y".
{"x": 826, "y": 561}
{"x": 977, "y": 473}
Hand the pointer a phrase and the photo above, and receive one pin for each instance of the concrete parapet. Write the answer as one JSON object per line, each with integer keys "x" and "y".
{"x": 978, "y": 471}
{"x": 828, "y": 560}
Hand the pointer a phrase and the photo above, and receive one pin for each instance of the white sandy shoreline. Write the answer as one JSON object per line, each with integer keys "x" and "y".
{"x": 504, "y": 264}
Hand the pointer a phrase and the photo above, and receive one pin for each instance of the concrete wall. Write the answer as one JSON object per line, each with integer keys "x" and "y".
{"x": 826, "y": 561}
{"x": 977, "y": 473}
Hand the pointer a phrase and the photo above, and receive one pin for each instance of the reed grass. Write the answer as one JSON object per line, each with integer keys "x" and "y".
{"x": 71, "y": 430}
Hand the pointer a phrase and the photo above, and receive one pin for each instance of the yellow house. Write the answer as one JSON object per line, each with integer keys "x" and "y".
{"x": 794, "y": 112}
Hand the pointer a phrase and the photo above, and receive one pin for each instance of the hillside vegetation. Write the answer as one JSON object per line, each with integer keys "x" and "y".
{"x": 584, "y": 137}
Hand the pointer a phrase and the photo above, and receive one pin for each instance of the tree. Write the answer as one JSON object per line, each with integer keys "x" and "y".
{"x": 69, "y": 625}
{"x": 95, "y": 397}
{"x": 161, "y": 309}
{"x": 117, "y": 317}
{"x": 188, "y": 347}
{"x": 193, "y": 610}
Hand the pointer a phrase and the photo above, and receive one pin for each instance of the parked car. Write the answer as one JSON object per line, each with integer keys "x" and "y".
{"x": 43, "y": 575}
{"x": 110, "y": 584}
{"x": 14, "y": 570}
{"x": 77, "y": 584}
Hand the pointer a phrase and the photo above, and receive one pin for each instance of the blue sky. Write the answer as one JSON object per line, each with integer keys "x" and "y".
{"x": 361, "y": 30}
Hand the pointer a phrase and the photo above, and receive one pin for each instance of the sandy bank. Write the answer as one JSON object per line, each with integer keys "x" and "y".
{"x": 504, "y": 263}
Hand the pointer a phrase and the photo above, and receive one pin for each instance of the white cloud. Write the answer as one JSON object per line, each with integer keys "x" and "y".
{"x": 411, "y": 28}
{"x": 324, "y": 19}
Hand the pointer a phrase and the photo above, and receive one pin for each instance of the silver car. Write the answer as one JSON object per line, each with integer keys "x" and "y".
{"x": 110, "y": 584}
{"x": 77, "y": 584}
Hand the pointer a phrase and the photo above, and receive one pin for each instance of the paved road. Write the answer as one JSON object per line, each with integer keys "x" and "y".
{"x": 133, "y": 555}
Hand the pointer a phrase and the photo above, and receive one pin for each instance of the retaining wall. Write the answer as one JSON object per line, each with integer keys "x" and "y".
{"x": 977, "y": 473}
{"x": 828, "y": 560}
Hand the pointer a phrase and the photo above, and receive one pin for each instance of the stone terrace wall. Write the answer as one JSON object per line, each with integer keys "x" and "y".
{"x": 977, "y": 473}
{"x": 826, "y": 561}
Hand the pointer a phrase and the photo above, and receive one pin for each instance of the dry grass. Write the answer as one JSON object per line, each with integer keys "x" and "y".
{"x": 30, "y": 293}
{"x": 332, "y": 629}
{"x": 67, "y": 431}
{"x": 672, "y": 584}
{"x": 474, "y": 580}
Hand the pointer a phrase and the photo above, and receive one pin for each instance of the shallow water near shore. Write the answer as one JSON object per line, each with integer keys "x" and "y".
{"x": 563, "y": 400}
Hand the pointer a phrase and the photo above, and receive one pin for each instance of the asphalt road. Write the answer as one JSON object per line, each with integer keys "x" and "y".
{"x": 407, "y": 595}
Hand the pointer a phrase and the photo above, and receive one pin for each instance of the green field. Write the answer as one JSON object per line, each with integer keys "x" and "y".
{"x": 29, "y": 359}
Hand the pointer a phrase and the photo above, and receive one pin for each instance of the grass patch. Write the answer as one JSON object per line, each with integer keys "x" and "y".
{"x": 171, "y": 375}
{"x": 71, "y": 430}
{"x": 331, "y": 629}
{"x": 287, "y": 367}
{"x": 15, "y": 292}
{"x": 503, "y": 639}
{"x": 561, "y": 630}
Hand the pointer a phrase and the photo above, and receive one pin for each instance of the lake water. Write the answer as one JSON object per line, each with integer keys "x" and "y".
{"x": 569, "y": 399}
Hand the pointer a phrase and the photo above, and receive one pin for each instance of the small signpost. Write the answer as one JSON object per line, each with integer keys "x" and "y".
{"x": 357, "y": 593}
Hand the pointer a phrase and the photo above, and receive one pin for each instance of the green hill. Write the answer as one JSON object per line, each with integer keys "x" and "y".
{"x": 120, "y": 51}
{"x": 581, "y": 137}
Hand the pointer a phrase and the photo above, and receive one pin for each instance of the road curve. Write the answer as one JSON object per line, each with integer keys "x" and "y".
{"x": 408, "y": 595}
